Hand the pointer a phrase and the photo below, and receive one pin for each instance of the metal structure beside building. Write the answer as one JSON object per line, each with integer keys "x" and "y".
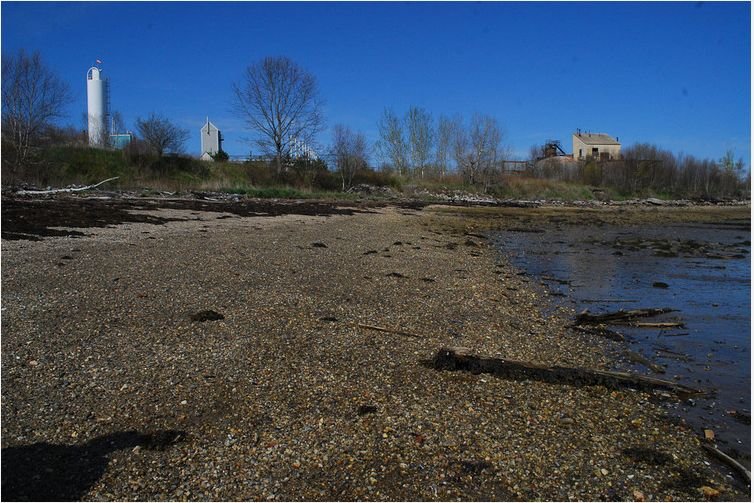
{"x": 121, "y": 140}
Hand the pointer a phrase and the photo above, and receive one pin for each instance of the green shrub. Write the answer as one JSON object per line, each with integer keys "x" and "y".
{"x": 220, "y": 156}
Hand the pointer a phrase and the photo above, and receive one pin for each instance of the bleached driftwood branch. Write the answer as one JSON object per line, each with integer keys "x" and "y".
{"x": 389, "y": 330}
{"x": 459, "y": 358}
{"x": 56, "y": 191}
{"x": 729, "y": 460}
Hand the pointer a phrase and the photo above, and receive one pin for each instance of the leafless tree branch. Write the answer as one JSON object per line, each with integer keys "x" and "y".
{"x": 280, "y": 101}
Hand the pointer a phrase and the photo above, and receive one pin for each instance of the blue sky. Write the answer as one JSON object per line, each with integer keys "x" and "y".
{"x": 674, "y": 74}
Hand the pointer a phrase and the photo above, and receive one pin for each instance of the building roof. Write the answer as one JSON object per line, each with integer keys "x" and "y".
{"x": 596, "y": 139}
{"x": 208, "y": 126}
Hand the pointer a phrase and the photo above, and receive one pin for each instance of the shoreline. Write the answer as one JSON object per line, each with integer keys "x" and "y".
{"x": 287, "y": 397}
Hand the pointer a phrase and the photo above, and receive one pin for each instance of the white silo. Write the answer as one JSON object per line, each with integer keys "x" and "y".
{"x": 97, "y": 107}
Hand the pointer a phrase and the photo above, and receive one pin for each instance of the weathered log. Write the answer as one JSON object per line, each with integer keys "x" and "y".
{"x": 389, "y": 330}
{"x": 667, "y": 324}
{"x": 459, "y": 358}
{"x": 57, "y": 191}
{"x": 639, "y": 358}
{"x": 600, "y": 331}
{"x": 729, "y": 460}
{"x": 608, "y": 301}
{"x": 620, "y": 316}
{"x": 557, "y": 280}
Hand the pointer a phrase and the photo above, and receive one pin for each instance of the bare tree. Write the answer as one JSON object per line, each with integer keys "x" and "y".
{"x": 446, "y": 128}
{"x": 536, "y": 152}
{"x": 485, "y": 136}
{"x": 478, "y": 149}
{"x": 161, "y": 135}
{"x": 62, "y": 135}
{"x": 392, "y": 145}
{"x": 280, "y": 101}
{"x": 461, "y": 152}
{"x": 349, "y": 153}
{"x": 420, "y": 138}
{"x": 33, "y": 96}
{"x": 117, "y": 124}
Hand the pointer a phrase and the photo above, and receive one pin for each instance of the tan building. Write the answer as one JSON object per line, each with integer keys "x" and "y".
{"x": 596, "y": 146}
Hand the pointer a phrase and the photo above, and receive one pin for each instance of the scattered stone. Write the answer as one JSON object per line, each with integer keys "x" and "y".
{"x": 366, "y": 409}
{"x": 648, "y": 456}
{"x": 475, "y": 467}
{"x": 208, "y": 315}
{"x": 660, "y": 284}
{"x": 740, "y": 416}
{"x": 709, "y": 435}
{"x": 318, "y": 244}
{"x": 709, "y": 492}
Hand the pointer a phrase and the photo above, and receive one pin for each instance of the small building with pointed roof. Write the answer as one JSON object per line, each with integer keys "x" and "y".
{"x": 211, "y": 139}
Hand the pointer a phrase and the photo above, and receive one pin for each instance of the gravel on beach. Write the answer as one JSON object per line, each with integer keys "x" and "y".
{"x": 224, "y": 357}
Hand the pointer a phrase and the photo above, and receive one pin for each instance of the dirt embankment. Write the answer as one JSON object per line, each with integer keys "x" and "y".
{"x": 111, "y": 390}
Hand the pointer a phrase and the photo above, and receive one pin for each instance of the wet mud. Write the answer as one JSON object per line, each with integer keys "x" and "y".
{"x": 34, "y": 219}
{"x": 699, "y": 268}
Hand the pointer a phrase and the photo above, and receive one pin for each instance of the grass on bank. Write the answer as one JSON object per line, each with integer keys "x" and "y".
{"x": 60, "y": 166}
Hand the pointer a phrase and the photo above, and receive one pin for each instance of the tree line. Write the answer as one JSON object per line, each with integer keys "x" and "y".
{"x": 644, "y": 168}
{"x": 280, "y": 102}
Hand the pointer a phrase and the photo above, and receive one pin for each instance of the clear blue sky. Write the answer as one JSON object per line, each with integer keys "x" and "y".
{"x": 674, "y": 74}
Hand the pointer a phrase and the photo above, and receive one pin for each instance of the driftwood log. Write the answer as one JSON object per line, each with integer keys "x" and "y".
{"x": 58, "y": 191}
{"x": 729, "y": 460}
{"x": 389, "y": 330}
{"x": 667, "y": 324}
{"x": 459, "y": 358}
{"x": 601, "y": 331}
{"x": 619, "y": 317}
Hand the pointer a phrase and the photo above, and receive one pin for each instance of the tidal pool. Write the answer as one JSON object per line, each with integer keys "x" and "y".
{"x": 701, "y": 270}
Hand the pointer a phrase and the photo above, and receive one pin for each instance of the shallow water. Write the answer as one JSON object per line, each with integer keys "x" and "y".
{"x": 706, "y": 273}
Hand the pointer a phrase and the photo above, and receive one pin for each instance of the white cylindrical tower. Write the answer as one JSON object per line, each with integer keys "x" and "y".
{"x": 96, "y": 98}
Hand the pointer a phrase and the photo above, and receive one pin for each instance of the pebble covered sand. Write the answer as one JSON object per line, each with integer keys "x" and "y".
{"x": 111, "y": 391}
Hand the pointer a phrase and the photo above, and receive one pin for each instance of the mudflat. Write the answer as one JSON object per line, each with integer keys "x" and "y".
{"x": 194, "y": 353}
